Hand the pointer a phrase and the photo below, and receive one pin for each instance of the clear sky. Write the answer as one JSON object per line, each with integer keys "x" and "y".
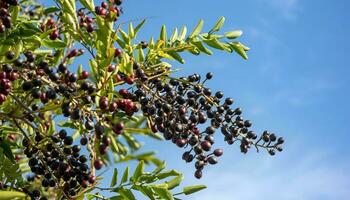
{"x": 295, "y": 83}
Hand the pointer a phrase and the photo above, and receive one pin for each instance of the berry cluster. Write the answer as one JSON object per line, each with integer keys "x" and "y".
{"x": 179, "y": 108}
{"x": 85, "y": 21}
{"x": 58, "y": 163}
{"x": 5, "y": 17}
{"x": 6, "y": 77}
{"x": 109, "y": 11}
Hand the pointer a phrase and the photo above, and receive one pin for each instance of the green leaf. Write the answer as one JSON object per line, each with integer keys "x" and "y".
{"x": 166, "y": 174}
{"x": 10, "y": 195}
{"x": 137, "y": 28}
{"x": 131, "y": 31}
{"x": 174, "y": 36}
{"x": 192, "y": 189}
{"x": 163, "y": 34}
{"x": 174, "y": 182}
{"x": 201, "y": 47}
{"x": 214, "y": 43}
{"x": 51, "y": 10}
{"x": 125, "y": 175}
{"x": 233, "y": 34}
{"x": 183, "y": 33}
{"x": 7, "y": 150}
{"x": 239, "y": 49}
{"x": 218, "y": 25}
{"x": 126, "y": 193}
{"x": 163, "y": 192}
{"x": 114, "y": 178}
{"x": 176, "y": 56}
{"x": 197, "y": 29}
{"x": 146, "y": 190}
{"x": 57, "y": 44}
{"x": 139, "y": 170}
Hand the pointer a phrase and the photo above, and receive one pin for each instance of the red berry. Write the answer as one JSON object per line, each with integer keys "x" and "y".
{"x": 218, "y": 152}
{"x": 123, "y": 92}
{"x": 117, "y": 52}
{"x": 130, "y": 80}
{"x": 84, "y": 75}
{"x": 98, "y": 164}
{"x": 111, "y": 68}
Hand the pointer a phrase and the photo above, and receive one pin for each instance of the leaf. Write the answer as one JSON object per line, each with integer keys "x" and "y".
{"x": 139, "y": 170}
{"x": 174, "y": 36}
{"x": 197, "y": 29}
{"x": 214, "y": 43}
{"x": 192, "y": 189}
{"x": 218, "y": 25}
{"x": 239, "y": 49}
{"x": 163, "y": 34}
{"x": 7, "y": 150}
{"x": 163, "y": 192}
{"x": 54, "y": 44}
{"x": 125, "y": 175}
{"x": 115, "y": 177}
{"x": 201, "y": 47}
{"x": 233, "y": 34}
{"x": 183, "y": 33}
{"x": 131, "y": 31}
{"x": 146, "y": 190}
{"x": 51, "y": 9}
{"x": 126, "y": 193}
{"x": 176, "y": 56}
{"x": 137, "y": 28}
{"x": 10, "y": 195}
{"x": 168, "y": 173}
{"x": 174, "y": 182}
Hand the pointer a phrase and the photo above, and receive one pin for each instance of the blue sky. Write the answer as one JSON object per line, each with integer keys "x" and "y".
{"x": 295, "y": 83}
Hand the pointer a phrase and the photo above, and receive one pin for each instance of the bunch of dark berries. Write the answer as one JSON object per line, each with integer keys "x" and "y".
{"x": 58, "y": 163}
{"x": 189, "y": 114}
{"x": 7, "y": 75}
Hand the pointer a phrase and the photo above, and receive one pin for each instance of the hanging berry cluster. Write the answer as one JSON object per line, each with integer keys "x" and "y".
{"x": 5, "y": 18}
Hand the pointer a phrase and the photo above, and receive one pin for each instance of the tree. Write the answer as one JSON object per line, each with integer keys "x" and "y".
{"x": 59, "y": 126}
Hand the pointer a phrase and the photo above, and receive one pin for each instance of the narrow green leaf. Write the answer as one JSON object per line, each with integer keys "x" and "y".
{"x": 167, "y": 174}
{"x": 192, "y": 189}
{"x": 233, "y": 34}
{"x": 174, "y": 182}
{"x": 239, "y": 49}
{"x": 137, "y": 28}
{"x": 174, "y": 35}
{"x": 201, "y": 47}
{"x": 163, "y": 192}
{"x": 183, "y": 33}
{"x": 218, "y": 25}
{"x": 176, "y": 56}
{"x": 163, "y": 34}
{"x": 10, "y": 195}
{"x": 7, "y": 150}
{"x": 127, "y": 194}
{"x": 197, "y": 29}
{"x": 214, "y": 43}
{"x": 115, "y": 177}
{"x": 51, "y": 9}
{"x": 131, "y": 31}
{"x": 139, "y": 170}
{"x": 54, "y": 44}
{"x": 125, "y": 175}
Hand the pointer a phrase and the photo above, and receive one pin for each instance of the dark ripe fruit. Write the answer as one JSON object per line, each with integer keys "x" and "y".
{"x": 32, "y": 162}
{"x": 83, "y": 159}
{"x": 106, "y": 140}
{"x": 36, "y": 193}
{"x": 84, "y": 75}
{"x": 73, "y": 77}
{"x": 98, "y": 164}
{"x": 280, "y": 140}
{"x": 13, "y": 76}
{"x": 219, "y": 94}
{"x": 89, "y": 124}
{"x": 273, "y": 137}
{"x": 84, "y": 184}
{"x": 92, "y": 179}
{"x": 99, "y": 129}
{"x": 113, "y": 107}
{"x": 144, "y": 44}
{"x": 62, "y": 134}
{"x": 206, "y": 145}
{"x": 218, "y": 152}
{"x": 118, "y": 2}
{"x": 181, "y": 142}
{"x": 111, "y": 68}
{"x": 76, "y": 148}
{"x": 62, "y": 68}
{"x": 130, "y": 80}
{"x": 73, "y": 53}
{"x": 83, "y": 141}
{"x": 272, "y": 152}
{"x": 104, "y": 5}
{"x": 117, "y": 52}
{"x": 103, "y": 149}
{"x": 37, "y": 82}
{"x": 45, "y": 183}
{"x": 10, "y": 55}
{"x": 212, "y": 160}
{"x": 51, "y": 94}
{"x": 266, "y": 137}
{"x": 247, "y": 123}
{"x": 119, "y": 126}
{"x": 68, "y": 140}
{"x": 75, "y": 114}
{"x": 2, "y": 28}
{"x": 54, "y": 76}
{"x": 103, "y": 103}
{"x": 27, "y": 85}
{"x": 7, "y": 21}
{"x": 198, "y": 174}
{"x": 25, "y": 142}
{"x": 89, "y": 28}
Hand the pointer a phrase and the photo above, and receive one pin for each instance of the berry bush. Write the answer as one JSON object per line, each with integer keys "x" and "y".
{"x": 62, "y": 122}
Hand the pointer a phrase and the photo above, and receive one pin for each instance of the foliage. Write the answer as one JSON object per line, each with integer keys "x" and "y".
{"x": 47, "y": 109}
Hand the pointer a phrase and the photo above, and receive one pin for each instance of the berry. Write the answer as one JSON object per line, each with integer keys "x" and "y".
{"x": 218, "y": 152}
{"x": 98, "y": 164}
